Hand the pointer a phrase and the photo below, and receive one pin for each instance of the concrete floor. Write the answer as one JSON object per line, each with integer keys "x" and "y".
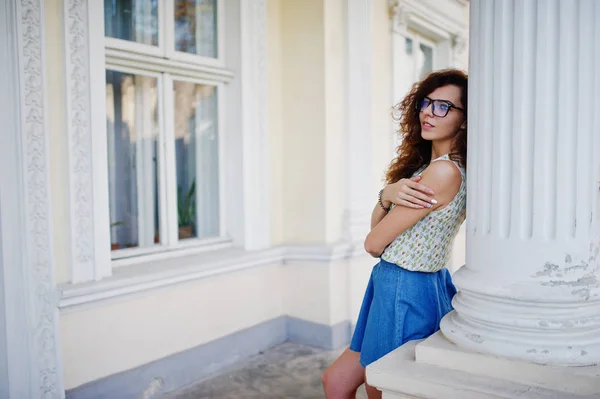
{"x": 287, "y": 371}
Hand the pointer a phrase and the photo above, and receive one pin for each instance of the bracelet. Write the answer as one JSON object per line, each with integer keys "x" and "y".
{"x": 381, "y": 202}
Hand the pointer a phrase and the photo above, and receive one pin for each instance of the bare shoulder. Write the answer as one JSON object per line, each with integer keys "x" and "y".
{"x": 443, "y": 171}
{"x": 444, "y": 178}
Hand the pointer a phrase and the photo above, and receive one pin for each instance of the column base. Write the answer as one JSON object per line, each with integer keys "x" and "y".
{"x": 437, "y": 368}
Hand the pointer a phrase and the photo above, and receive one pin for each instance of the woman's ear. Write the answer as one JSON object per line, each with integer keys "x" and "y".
{"x": 464, "y": 125}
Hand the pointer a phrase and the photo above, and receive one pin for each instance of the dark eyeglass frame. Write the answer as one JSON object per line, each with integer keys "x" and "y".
{"x": 435, "y": 104}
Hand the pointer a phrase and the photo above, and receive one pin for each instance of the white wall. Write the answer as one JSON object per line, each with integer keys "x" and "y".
{"x": 118, "y": 336}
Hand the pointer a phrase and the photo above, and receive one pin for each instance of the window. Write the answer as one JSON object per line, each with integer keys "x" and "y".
{"x": 164, "y": 79}
{"x": 420, "y": 53}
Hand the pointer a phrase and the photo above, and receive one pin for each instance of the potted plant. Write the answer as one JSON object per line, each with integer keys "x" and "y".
{"x": 115, "y": 246}
{"x": 186, "y": 210}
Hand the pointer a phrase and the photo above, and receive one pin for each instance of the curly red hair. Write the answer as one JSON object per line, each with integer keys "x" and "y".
{"x": 414, "y": 152}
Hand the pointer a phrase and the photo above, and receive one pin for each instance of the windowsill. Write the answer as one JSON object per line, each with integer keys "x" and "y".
{"x": 158, "y": 273}
{"x": 183, "y": 249}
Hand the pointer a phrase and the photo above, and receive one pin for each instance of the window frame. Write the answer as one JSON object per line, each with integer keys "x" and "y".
{"x": 244, "y": 129}
{"x": 418, "y": 39}
{"x": 163, "y": 206}
{"x": 166, "y": 39}
{"x": 165, "y": 70}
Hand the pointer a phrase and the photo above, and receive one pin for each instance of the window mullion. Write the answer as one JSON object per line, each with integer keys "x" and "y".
{"x": 221, "y": 31}
{"x": 169, "y": 25}
{"x": 162, "y": 26}
{"x": 170, "y": 185}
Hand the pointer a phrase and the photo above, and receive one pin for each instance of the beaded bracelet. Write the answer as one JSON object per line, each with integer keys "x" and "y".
{"x": 381, "y": 202}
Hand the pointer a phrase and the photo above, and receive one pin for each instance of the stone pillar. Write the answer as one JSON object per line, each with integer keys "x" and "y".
{"x": 530, "y": 288}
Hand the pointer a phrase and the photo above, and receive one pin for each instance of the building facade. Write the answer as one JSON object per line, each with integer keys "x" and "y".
{"x": 187, "y": 183}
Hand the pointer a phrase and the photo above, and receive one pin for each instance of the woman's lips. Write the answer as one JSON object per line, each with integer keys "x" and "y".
{"x": 427, "y": 126}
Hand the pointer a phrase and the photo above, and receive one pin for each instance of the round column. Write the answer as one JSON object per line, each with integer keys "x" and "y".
{"x": 531, "y": 286}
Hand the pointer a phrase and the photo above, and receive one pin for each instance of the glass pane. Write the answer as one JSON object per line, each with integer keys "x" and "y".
{"x": 426, "y": 60}
{"x": 196, "y": 27}
{"x": 132, "y": 126}
{"x": 197, "y": 160}
{"x": 408, "y": 46}
{"x": 133, "y": 20}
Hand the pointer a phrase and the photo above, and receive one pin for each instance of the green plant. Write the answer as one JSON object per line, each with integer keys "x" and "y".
{"x": 186, "y": 205}
{"x": 115, "y": 224}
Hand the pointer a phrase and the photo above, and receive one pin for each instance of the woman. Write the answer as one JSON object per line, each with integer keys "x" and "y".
{"x": 410, "y": 290}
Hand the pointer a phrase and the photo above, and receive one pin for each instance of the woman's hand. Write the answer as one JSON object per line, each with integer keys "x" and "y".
{"x": 409, "y": 193}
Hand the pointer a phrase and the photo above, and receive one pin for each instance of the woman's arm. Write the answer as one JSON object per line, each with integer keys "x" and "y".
{"x": 379, "y": 213}
{"x": 443, "y": 177}
{"x": 405, "y": 192}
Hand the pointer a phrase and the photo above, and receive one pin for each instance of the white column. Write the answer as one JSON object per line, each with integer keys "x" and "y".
{"x": 531, "y": 285}
{"x": 358, "y": 161}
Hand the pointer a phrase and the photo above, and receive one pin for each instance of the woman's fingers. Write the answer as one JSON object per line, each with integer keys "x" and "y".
{"x": 407, "y": 197}
{"x": 409, "y": 204}
{"x": 418, "y": 197}
{"x": 420, "y": 187}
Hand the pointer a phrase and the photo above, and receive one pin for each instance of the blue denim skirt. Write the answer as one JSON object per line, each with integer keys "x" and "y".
{"x": 399, "y": 306}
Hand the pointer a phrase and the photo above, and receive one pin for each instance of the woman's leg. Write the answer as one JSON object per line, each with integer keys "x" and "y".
{"x": 372, "y": 392}
{"x": 344, "y": 376}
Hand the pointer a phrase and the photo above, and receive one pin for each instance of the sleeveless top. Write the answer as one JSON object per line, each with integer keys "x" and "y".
{"x": 427, "y": 245}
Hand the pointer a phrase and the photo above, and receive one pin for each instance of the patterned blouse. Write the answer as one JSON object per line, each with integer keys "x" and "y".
{"x": 427, "y": 245}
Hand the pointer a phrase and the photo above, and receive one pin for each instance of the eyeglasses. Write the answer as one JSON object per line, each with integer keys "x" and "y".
{"x": 440, "y": 108}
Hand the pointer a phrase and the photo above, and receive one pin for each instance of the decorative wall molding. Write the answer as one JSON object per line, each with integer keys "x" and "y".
{"x": 398, "y": 13}
{"x": 37, "y": 261}
{"x": 416, "y": 14}
{"x": 78, "y": 112}
{"x": 85, "y": 115}
{"x": 255, "y": 137}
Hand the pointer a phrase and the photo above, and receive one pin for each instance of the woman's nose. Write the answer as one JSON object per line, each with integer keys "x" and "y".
{"x": 429, "y": 110}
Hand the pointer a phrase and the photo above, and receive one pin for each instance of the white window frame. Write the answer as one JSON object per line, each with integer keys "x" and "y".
{"x": 240, "y": 75}
{"x": 166, "y": 39}
{"x": 163, "y": 206}
{"x": 166, "y": 72}
{"x": 418, "y": 39}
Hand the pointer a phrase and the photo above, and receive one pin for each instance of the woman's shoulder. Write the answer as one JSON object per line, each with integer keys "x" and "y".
{"x": 444, "y": 170}
{"x": 450, "y": 164}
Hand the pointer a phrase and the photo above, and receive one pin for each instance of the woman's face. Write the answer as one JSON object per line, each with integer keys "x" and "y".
{"x": 435, "y": 126}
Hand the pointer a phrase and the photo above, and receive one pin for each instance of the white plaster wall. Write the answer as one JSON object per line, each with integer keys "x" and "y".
{"x": 119, "y": 336}
{"x": 275, "y": 112}
{"x": 360, "y": 271}
{"x": 58, "y": 137}
{"x": 326, "y": 292}
{"x": 309, "y": 110}
{"x": 335, "y": 115}
{"x": 306, "y": 292}
{"x": 303, "y": 114}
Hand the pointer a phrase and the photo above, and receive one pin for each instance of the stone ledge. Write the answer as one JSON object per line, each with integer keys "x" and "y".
{"x": 438, "y": 351}
{"x": 399, "y": 375}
